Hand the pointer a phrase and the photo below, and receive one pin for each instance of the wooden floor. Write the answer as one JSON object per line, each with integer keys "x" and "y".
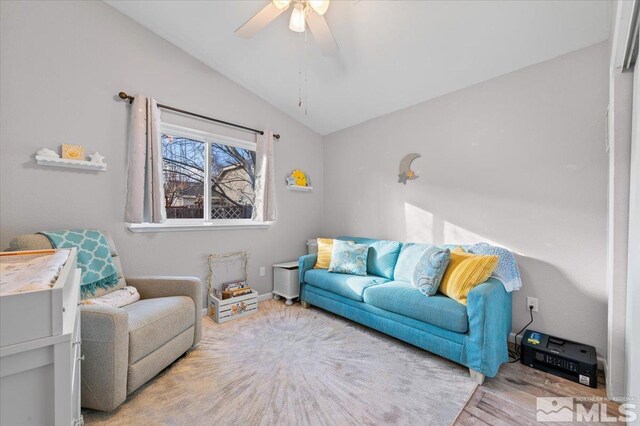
{"x": 510, "y": 397}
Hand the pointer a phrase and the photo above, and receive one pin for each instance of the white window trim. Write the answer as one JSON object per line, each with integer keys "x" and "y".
{"x": 207, "y": 223}
{"x": 172, "y": 225}
{"x": 207, "y": 137}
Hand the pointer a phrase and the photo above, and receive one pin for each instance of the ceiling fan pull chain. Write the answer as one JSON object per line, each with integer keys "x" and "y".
{"x": 300, "y": 71}
{"x": 306, "y": 68}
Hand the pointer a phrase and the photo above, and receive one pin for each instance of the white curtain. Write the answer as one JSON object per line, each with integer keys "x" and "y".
{"x": 145, "y": 190}
{"x": 265, "y": 196}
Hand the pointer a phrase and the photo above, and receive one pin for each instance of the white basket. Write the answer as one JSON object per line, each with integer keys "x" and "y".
{"x": 222, "y": 311}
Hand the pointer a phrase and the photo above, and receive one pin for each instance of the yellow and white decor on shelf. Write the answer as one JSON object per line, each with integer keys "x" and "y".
{"x": 72, "y": 152}
{"x": 72, "y": 157}
{"x": 298, "y": 180}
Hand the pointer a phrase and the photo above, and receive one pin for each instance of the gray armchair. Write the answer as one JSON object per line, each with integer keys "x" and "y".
{"x": 125, "y": 347}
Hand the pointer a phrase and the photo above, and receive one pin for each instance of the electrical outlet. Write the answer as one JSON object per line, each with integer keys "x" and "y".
{"x": 532, "y": 301}
{"x": 263, "y": 272}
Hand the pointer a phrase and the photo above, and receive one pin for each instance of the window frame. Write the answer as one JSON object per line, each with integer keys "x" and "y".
{"x": 207, "y": 138}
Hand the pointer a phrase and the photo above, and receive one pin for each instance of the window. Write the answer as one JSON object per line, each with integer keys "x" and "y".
{"x": 207, "y": 177}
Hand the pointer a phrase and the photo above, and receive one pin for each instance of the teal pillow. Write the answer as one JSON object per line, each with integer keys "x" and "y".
{"x": 430, "y": 269}
{"x": 409, "y": 257}
{"x": 382, "y": 256}
{"x": 348, "y": 257}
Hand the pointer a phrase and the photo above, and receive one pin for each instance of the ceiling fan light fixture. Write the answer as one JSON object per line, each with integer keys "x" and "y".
{"x": 281, "y": 4}
{"x": 297, "y": 22}
{"x": 320, "y": 6}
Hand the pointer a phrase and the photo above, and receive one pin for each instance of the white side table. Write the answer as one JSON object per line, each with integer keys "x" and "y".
{"x": 285, "y": 281}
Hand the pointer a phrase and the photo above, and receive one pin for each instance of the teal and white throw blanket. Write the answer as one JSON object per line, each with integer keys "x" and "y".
{"x": 94, "y": 257}
{"x": 507, "y": 270}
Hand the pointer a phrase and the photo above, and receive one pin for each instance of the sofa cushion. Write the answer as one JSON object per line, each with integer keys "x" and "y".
{"x": 410, "y": 255}
{"x": 465, "y": 271}
{"x": 154, "y": 322}
{"x": 404, "y": 299}
{"x": 430, "y": 269}
{"x": 349, "y": 258}
{"x": 382, "y": 256}
{"x": 350, "y": 286}
{"x": 325, "y": 248}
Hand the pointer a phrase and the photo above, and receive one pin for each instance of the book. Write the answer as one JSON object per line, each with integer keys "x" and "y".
{"x": 227, "y": 294}
{"x": 234, "y": 285}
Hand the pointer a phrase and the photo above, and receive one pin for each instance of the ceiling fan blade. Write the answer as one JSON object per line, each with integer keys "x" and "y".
{"x": 322, "y": 34}
{"x": 259, "y": 21}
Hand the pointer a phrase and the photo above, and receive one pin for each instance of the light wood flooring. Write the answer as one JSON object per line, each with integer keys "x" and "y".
{"x": 510, "y": 397}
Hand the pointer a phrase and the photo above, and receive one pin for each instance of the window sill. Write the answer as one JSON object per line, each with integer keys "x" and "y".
{"x": 196, "y": 225}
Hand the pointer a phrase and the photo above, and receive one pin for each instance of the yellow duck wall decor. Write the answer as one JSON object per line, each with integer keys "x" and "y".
{"x": 298, "y": 178}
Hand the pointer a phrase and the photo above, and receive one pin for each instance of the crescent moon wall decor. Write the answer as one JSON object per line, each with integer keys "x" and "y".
{"x": 406, "y": 173}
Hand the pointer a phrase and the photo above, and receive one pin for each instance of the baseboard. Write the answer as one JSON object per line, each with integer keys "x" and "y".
{"x": 265, "y": 296}
{"x": 602, "y": 362}
{"x": 261, "y": 298}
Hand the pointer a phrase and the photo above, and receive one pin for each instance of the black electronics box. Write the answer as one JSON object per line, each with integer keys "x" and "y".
{"x": 570, "y": 360}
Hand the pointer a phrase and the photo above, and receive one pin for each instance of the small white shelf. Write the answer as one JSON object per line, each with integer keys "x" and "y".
{"x": 73, "y": 164}
{"x": 300, "y": 188}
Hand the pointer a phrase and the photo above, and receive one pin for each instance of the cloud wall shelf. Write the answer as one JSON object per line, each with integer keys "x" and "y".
{"x": 300, "y": 188}
{"x": 72, "y": 164}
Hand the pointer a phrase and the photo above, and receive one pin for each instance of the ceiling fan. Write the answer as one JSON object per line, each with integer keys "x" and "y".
{"x": 305, "y": 12}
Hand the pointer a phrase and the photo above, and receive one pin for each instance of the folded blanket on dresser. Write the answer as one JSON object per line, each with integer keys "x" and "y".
{"x": 22, "y": 273}
{"x": 94, "y": 257}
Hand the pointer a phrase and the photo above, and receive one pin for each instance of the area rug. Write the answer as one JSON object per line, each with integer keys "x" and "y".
{"x": 287, "y": 365}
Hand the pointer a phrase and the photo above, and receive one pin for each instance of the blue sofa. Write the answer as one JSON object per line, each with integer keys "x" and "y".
{"x": 474, "y": 335}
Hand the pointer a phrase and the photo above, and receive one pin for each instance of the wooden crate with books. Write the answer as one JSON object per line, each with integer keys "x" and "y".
{"x": 230, "y": 296}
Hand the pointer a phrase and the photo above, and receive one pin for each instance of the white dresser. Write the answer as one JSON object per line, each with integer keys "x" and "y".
{"x": 40, "y": 353}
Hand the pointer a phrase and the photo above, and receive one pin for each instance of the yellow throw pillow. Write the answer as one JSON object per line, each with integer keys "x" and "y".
{"x": 465, "y": 271}
{"x": 325, "y": 247}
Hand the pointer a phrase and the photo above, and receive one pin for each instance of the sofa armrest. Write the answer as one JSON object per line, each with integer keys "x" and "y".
{"x": 105, "y": 347}
{"x": 489, "y": 312}
{"x": 152, "y": 287}
{"x": 305, "y": 263}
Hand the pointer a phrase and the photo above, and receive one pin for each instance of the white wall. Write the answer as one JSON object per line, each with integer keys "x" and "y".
{"x": 619, "y": 139}
{"x": 62, "y": 64}
{"x": 632, "y": 337}
{"x": 518, "y": 160}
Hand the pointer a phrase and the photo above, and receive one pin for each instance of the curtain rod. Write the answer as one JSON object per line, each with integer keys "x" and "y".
{"x": 124, "y": 96}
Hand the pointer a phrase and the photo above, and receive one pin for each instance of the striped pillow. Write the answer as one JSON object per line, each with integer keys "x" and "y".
{"x": 325, "y": 247}
{"x": 465, "y": 271}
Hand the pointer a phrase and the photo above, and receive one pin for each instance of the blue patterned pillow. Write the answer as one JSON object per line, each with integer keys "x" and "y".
{"x": 430, "y": 269}
{"x": 348, "y": 257}
{"x": 507, "y": 270}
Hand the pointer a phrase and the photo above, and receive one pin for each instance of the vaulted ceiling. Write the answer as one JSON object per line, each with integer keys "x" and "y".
{"x": 393, "y": 54}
